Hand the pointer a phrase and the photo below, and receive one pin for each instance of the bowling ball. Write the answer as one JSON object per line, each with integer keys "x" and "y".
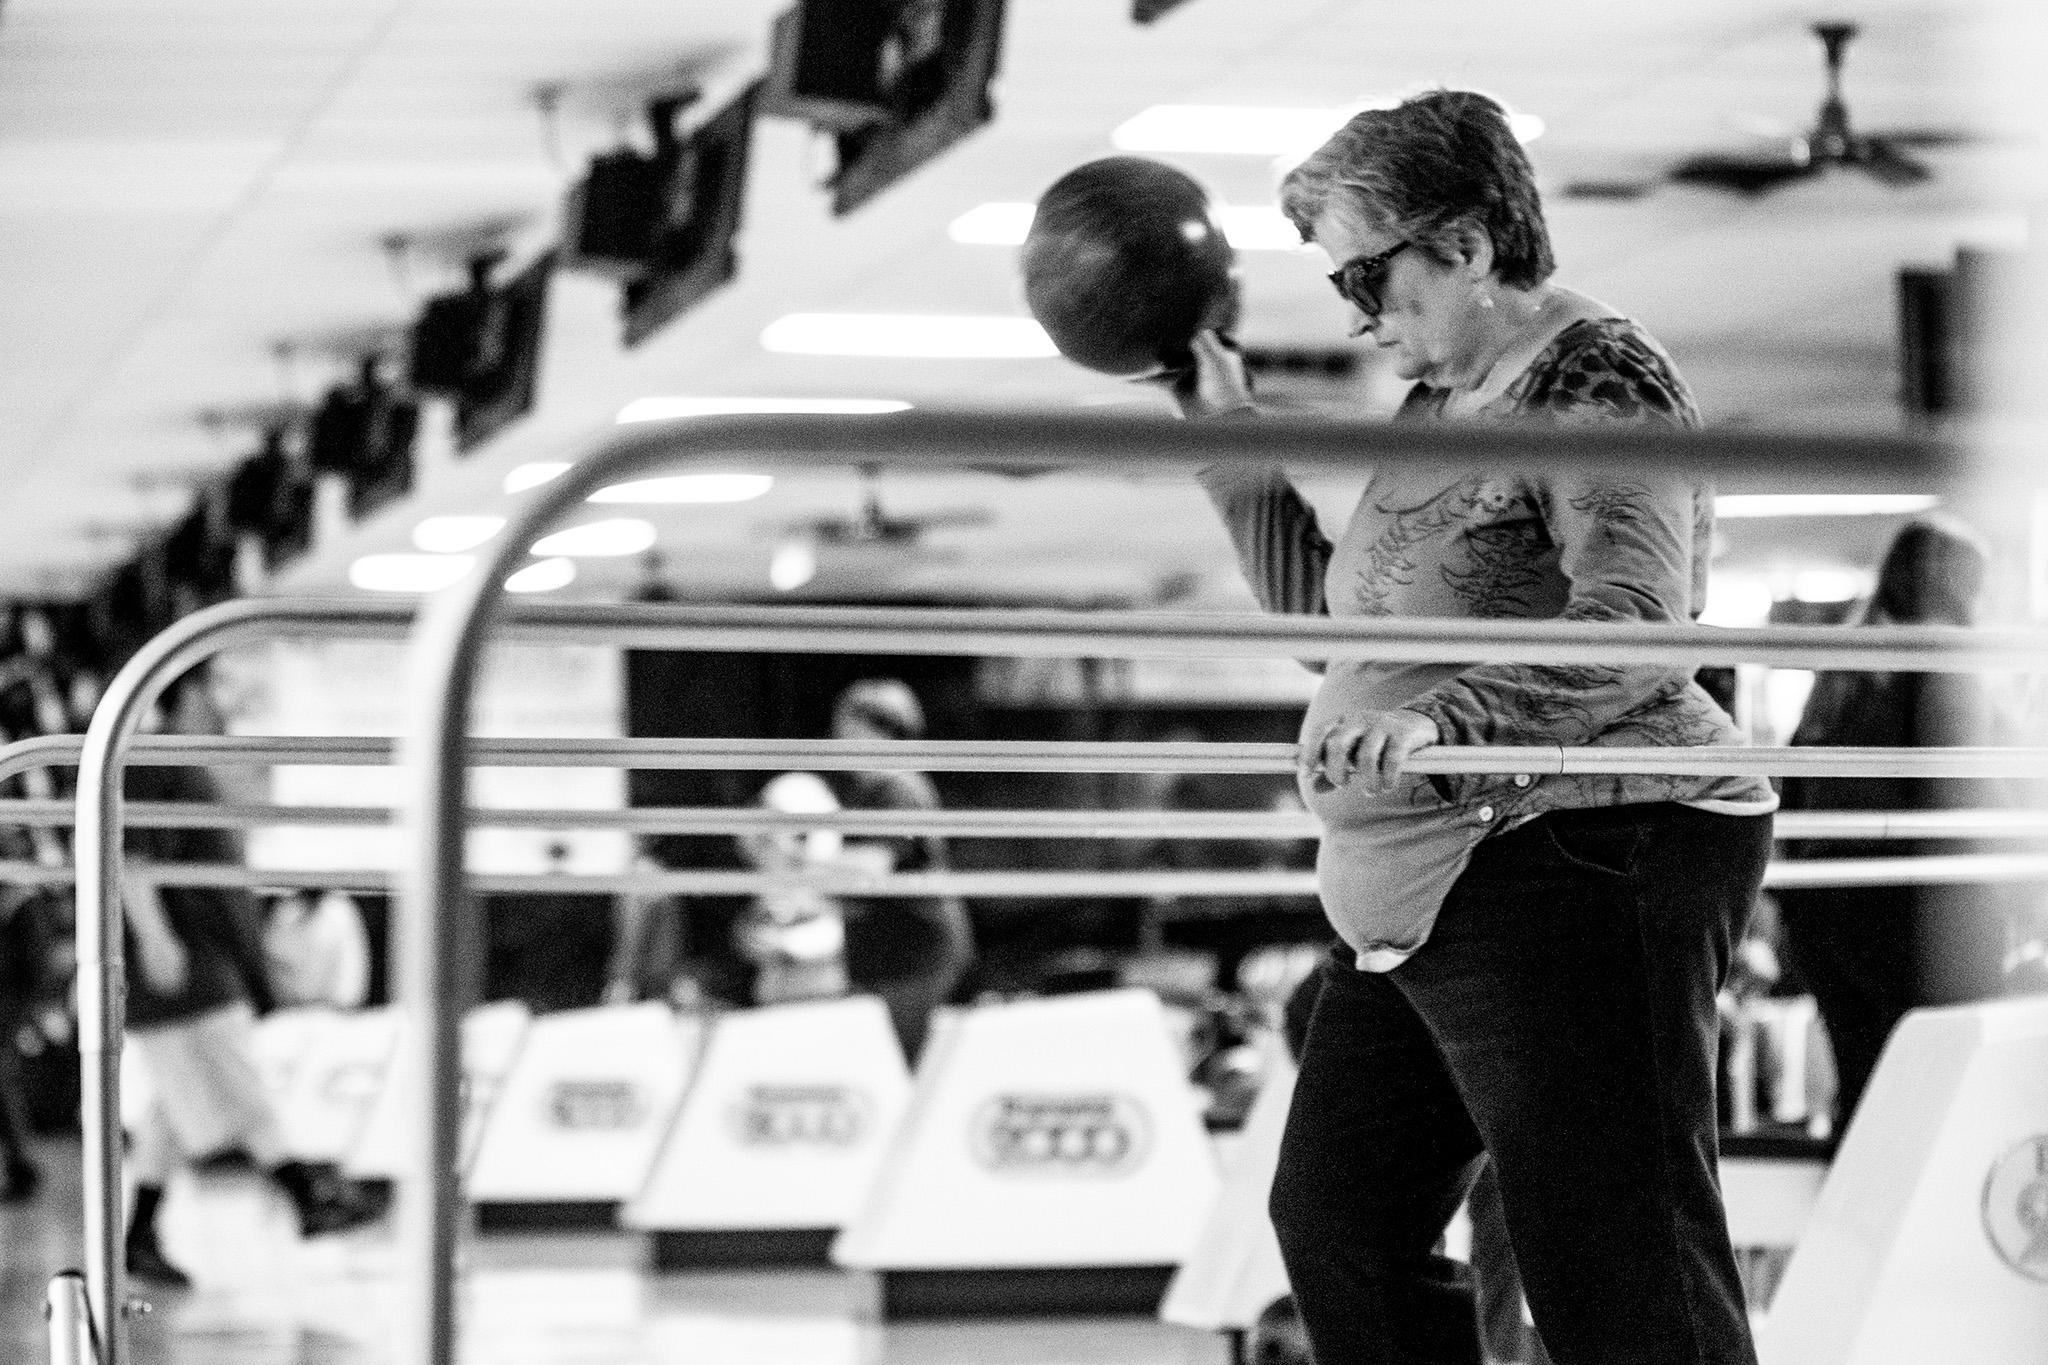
{"x": 1125, "y": 262}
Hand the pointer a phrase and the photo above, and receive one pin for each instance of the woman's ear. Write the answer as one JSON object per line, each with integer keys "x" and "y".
{"x": 1474, "y": 250}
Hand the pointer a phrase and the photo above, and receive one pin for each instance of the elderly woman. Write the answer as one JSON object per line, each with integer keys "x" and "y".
{"x": 1529, "y": 964}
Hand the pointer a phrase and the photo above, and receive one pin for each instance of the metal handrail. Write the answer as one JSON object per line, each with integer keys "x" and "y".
{"x": 1023, "y": 884}
{"x": 1072, "y": 756}
{"x": 450, "y": 643}
{"x": 990, "y": 823}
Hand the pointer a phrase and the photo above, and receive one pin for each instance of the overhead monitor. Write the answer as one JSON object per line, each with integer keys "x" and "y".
{"x": 1145, "y": 11}
{"x": 481, "y": 347}
{"x": 364, "y": 431}
{"x": 895, "y": 83}
{"x": 664, "y": 223}
{"x": 199, "y": 556}
{"x": 270, "y": 496}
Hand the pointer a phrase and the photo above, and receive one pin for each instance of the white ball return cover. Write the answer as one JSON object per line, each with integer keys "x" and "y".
{"x": 491, "y": 1037}
{"x": 1929, "y": 1245}
{"x": 1046, "y": 1133}
{"x": 581, "y": 1113}
{"x": 785, "y": 1123}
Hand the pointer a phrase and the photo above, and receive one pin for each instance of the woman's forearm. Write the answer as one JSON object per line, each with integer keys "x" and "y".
{"x": 1281, "y": 549}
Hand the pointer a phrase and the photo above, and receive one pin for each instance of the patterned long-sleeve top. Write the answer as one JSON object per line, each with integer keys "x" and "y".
{"x": 1496, "y": 544}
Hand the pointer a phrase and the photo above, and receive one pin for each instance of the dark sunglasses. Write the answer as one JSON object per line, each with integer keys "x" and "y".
{"x": 1359, "y": 280}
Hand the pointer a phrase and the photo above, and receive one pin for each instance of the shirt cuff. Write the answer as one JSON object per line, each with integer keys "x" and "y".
{"x": 1241, "y": 475}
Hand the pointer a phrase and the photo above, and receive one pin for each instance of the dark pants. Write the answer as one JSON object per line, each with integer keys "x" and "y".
{"x": 1857, "y": 948}
{"x": 1561, "y": 1019}
{"x": 910, "y": 953}
{"x": 14, "y": 1144}
{"x": 1504, "y": 1338}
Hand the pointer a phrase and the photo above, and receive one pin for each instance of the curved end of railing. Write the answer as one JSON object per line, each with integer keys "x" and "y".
{"x": 97, "y": 854}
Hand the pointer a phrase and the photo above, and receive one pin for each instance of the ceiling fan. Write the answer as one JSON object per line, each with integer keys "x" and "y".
{"x": 1831, "y": 143}
{"x": 854, "y": 543}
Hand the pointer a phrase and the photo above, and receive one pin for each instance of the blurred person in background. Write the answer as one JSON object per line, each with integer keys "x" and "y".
{"x": 912, "y": 951}
{"x": 646, "y": 961}
{"x": 26, "y": 925}
{"x": 1529, "y": 964}
{"x": 793, "y": 933}
{"x": 316, "y": 950}
{"x": 196, "y": 980}
{"x": 1870, "y": 953}
{"x": 548, "y": 947}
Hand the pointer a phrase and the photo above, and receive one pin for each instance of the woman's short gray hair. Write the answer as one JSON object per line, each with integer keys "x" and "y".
{"x": 1435, "y": 163}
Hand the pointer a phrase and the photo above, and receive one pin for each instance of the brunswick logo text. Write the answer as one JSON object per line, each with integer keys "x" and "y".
{"x": 597, "y": 1104}
{"x": 801, "y": 1116}
{"x": 1099, "y": 1134}
{"x": 2016, "y": 1207}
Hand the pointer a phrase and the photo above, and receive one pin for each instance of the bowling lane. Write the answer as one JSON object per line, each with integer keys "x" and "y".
{"x": 264, "y": 1297}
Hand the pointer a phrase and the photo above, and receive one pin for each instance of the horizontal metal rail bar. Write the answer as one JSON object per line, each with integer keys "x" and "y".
{"x": 1935, "y": 869}
{"x": 1095, "y": 442}
{"x": 1062, "y": 756}
{"x": 1086, "y": 634}
{"x": 45, "y": 813}
{"x": 1941, "y": 869}
{"x": 1910, "y": 824}
{"x": 1062, "y": 634}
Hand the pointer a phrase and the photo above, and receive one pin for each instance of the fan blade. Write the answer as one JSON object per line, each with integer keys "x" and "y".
{"x": 1950, "y": 137}
{"x": 1886, "y": 164}
{"x": 806, "y": 528}
{"x": 1740, "y": 175}
{"x": 1612, "y": 191}
{"x": 947, "y": 518}
{"x": 1015, "y": 471}
{"x": 1931, "y": 137}
{"x": 885, "y": 530}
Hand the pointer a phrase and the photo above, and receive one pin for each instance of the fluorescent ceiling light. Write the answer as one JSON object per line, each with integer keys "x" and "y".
{"x": 997, "y": 224}
{"x": 794, "y": 564}
{"x": 418, "y": 573}
{"x": 1732, "y": 505}
{"x": 1259, "y": 227}
{"x": 1250, "y": 227}
{"x": 1228, "y": 129}
{"x": 545, "y": 575}
{"x": 910, "y": 336}
{"x": 678, "y": 488}
{"x": 660, "y": 409}
{"x": 599, "y": 539}
{"x": 408, "y": 572}
{"x": 453, "y": 535}
{"x": 533, "y": 475}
